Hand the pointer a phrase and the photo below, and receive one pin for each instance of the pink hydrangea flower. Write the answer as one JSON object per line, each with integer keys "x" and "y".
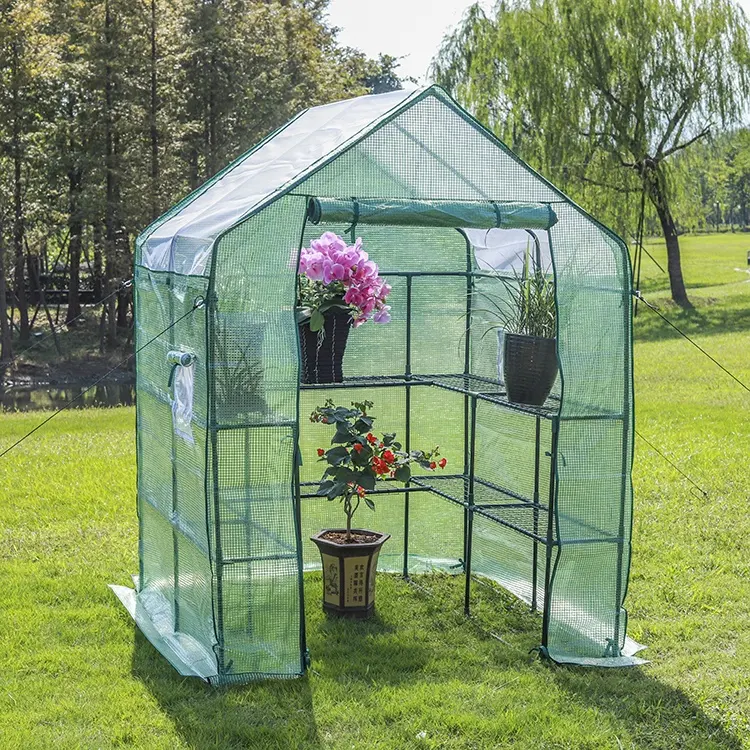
{"x": 383, "y": 315}
{"x": 345, "y": 272}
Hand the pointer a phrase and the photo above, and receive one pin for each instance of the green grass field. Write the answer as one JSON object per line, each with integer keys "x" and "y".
{"x": 76, "y": 674}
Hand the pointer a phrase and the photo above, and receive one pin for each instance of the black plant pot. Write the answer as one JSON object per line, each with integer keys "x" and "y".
{"x": 529, "y": 368}
{"x": 323, "y": 355}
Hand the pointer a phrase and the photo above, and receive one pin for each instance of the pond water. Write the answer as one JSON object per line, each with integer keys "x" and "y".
{"x": 35, "y": 397}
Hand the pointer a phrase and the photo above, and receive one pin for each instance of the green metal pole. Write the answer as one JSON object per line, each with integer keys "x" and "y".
{"x": 550, "y": 535}
{"x": 218, "y": 553}
{"x": 304, "y": 654}
{"x": 469, "y": 512}
{"x": 535, "y": 550}
{"x": 407, "y": 419}
{"x": 173, "y": 456}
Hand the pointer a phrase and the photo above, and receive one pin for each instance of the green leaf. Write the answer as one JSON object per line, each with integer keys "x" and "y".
{"x": 403, "y": 473}
{"x": 342, "y": 474}
{"x": 336, "y": 490}
{"x": 338, "y": 304}
{"x": 324, "y": 487}
{"x": 364, "y": 456}
{"x": 317, "y": 321}
{"x": 363, "y": 424}
{"x": 337, "y": 455}
{"x": 343, "y": 435}
{"x": 370, "y": 504}
{"x": 367, "y": 480}
{"x": 388, "y": 438}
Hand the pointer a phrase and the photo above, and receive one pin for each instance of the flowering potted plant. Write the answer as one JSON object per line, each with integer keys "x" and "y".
{"x": 339, "y": 287}
{"x": 356, "y": 461}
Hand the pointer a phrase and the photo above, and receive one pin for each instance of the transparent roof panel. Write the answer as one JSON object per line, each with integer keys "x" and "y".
{"x": 286, "y": 156}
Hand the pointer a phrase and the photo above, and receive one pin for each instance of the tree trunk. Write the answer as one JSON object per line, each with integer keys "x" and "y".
{"x": 18, "y": 218}
{"x": 75, "y": 227}
{"x": 112, "y": 321}
{"x": 123, "y": 307}
{"x": 125, "y": 295}
{"x": 20, "y": 276}
{"x": 193, "y": 168}
{"x": 211, "y": 155}
{"x": 111, "y": 213}
{"x": 657, "y": 193}
{"x": 33, "y": 275}
{"x": 6, "y": 340}
{"x": 153, "y": 126}
{"x": 98, "y": 281}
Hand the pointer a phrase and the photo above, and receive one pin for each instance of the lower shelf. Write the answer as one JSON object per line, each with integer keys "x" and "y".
{"x": 498, "y": 504}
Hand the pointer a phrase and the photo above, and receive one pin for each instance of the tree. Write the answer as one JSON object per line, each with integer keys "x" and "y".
{"x": 28, "y": 59}
{"x": 377, "y": 76}
{"x": 738, "y": 158}
{"x": 114, "y": 111}
{"x": 245, "y": 67}
{"x": 604, "y": 86}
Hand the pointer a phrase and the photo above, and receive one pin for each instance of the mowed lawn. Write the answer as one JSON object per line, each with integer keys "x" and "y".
{"x": 74, "y": 673}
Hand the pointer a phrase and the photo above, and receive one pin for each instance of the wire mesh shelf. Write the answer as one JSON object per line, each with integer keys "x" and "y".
{"x": 475, "y": 386}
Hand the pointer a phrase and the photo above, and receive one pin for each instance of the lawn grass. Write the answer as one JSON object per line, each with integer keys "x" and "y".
{"x": 75, "y": 673}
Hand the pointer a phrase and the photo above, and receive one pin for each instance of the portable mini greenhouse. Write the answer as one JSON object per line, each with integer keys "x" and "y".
{"x": 538, "y": 499}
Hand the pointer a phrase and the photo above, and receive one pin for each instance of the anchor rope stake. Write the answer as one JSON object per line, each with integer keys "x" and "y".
{"x": 639, "y": 296}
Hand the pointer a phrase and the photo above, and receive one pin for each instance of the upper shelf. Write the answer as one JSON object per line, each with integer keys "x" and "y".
{"x": 474, "y": 386}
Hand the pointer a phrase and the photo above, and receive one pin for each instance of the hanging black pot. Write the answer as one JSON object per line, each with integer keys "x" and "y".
{"x": 323, "y": 351}
{"x": 529, "y": 368}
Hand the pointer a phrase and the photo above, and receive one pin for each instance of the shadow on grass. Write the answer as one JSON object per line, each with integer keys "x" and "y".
{"x": 708, "y": 318}
{"x": 272, "y": 714}
{"x": 657, "y": 715}
{"x": 421, "y": 637}
{"x": 279, "y": 714}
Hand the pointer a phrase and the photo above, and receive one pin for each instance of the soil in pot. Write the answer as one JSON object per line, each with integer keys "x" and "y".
{"x": 358, "y": 537}
{"x": 349, "y": 569}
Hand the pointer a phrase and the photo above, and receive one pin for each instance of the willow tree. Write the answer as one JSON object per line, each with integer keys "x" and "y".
{"x": 608, "y": 90}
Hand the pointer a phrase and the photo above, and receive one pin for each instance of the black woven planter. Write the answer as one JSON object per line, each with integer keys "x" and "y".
{"x": 323, "y": 355}
{"x": 529, "y": 368}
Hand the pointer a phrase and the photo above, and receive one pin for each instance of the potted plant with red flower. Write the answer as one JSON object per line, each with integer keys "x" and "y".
{"x": 339, "y": 288}
{"x": 356, "y": 462}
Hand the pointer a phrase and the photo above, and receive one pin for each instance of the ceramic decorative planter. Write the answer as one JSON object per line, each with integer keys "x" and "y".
{"x": 529, "y": 368}
{"x": 323, "y": 356}
{"x": 349, "y": 571}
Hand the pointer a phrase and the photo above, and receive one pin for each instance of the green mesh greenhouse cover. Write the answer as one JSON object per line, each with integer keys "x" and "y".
{"x": 538, "y": 499}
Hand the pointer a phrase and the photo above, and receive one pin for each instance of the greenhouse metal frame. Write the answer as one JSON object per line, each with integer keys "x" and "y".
{"x": 538, "y": 499}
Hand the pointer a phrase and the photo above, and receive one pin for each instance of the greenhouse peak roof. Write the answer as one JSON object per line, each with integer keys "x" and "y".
{"x": 182, "y": 240}
{"x": 276, "y": 164}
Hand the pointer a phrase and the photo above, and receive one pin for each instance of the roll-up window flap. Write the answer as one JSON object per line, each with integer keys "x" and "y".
{"x": 181, "y": 380}
{"x": 431, "y": 213}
